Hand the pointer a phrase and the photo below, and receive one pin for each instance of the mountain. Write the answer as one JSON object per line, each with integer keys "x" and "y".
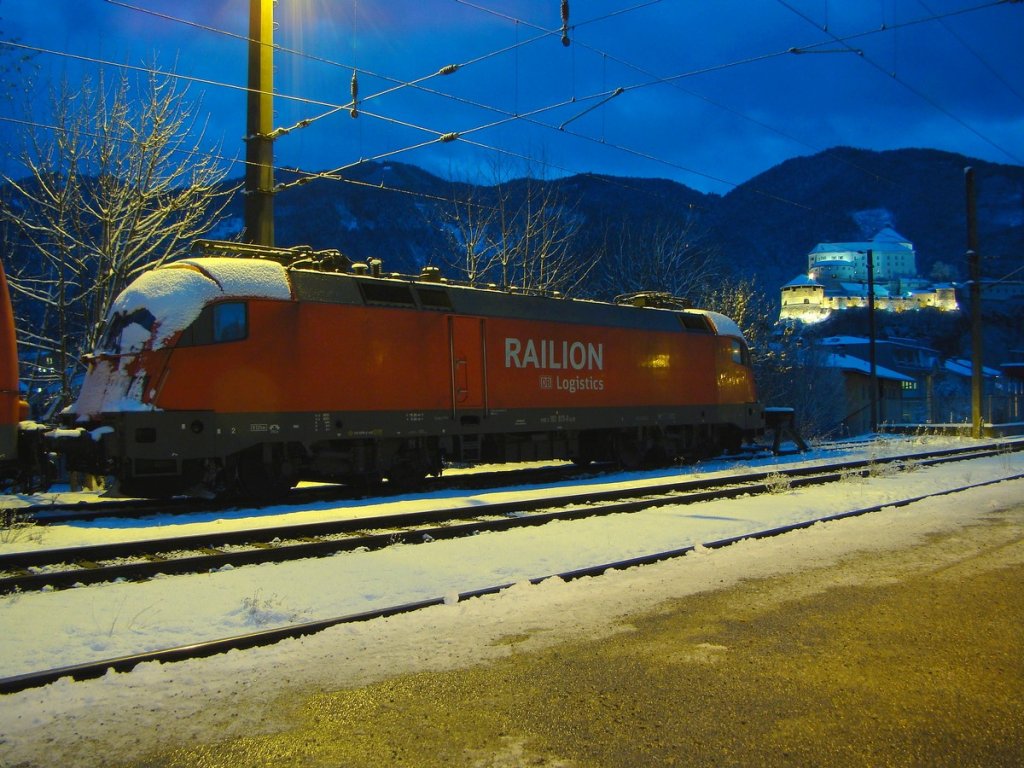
{"x": 770, "y": 223}
{"x": 394, "y": 211}
{"x": 764, "y": 227}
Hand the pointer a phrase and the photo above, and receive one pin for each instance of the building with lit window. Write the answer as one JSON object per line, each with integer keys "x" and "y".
{"x": 933, "y": 389}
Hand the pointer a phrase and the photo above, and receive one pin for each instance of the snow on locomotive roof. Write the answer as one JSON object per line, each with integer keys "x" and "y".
{"x": 723, "y": 324}
{"x": 175, "y": 293}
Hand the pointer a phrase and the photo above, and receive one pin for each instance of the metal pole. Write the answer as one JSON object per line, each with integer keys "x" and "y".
{"x": 259, "y": 146}
{"x": 871, "y": 341}
{"x": 974, "y": 271}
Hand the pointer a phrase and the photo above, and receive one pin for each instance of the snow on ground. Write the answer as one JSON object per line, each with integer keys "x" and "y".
{"x": 107, "y": 530}
{"x": 56, "y": 628}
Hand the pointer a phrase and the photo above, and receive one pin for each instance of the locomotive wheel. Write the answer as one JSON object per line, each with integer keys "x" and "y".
{"x": 629, "y": 452}
{"x": 259, "y": 479}
{"x": 411, "y": 466}
{"x": 37, "y": 479}
{"x": 408, "y": 475}
{"x": 35, "y": 471}
{"x": 732, "y": 440}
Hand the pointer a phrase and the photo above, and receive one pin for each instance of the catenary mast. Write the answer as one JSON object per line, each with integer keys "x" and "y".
{"x": 259, "y": 142}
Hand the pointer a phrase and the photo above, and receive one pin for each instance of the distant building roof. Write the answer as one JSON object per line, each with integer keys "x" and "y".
{"x": 840, "y": 340}
{"x": 860, "y": 290}
{"x": 802, "y": 281}
{"x": 838, "y": 247}
{"x": 962, "y": 367}
{"x": 887, "y": 239}
{"x": 891, "y": 236}
{"x": 856, "y": 365}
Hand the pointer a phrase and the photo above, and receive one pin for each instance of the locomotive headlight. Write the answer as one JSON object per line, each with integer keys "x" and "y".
{"x": 658, "y": 361}
{"x": 197, "y": 427}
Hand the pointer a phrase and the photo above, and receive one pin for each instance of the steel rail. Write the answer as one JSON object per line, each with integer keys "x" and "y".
{"x": 96, "y": 669}
{"x": 166, "y": 555}
{"x": 85, "y": 511}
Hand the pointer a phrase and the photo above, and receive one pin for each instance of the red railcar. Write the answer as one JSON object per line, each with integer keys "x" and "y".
{"x": 10, "y": 398}
{"x": 255, "y": 372}
{"x": 24, "y": 463}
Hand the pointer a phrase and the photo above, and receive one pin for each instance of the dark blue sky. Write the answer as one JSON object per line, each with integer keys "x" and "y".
{"x": 711, "y": 94}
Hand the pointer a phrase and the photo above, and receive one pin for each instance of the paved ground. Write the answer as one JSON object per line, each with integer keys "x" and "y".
{"x": 913, "y": 657}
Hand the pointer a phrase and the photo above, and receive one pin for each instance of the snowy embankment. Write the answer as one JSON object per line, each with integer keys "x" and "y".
{"x": 125, "y": 716}
{"x": 59, "y": 628}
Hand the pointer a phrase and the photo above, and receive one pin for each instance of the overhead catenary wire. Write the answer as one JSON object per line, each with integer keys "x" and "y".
{"x": 529, "y": 117}
{"x": 545, "y": 32}
{"x": 508, "y": 116}
{"x": 310, "y": 177}
{"x": 970, "y": 49}
{"x": 916, "y": 91}
{"x": 308, "y": 121}
{"x": 811, "y": 48}
{"x": 242, "y": 161}
{"x": 397, "y": 83}
{"x": 673, "y": 80}
{"x": 450, "y": 135}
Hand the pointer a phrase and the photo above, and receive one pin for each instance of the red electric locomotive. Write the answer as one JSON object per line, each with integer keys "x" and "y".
{"x": 250, "y": 368}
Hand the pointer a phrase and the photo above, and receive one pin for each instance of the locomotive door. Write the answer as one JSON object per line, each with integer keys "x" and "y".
{"x": 468, "y": 363}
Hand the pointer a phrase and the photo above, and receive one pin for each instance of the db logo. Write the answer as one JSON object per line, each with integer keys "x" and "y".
{"x": 546, "y": 382}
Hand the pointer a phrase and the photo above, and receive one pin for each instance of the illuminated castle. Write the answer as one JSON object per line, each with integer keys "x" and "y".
{"x": 837, "y": 279}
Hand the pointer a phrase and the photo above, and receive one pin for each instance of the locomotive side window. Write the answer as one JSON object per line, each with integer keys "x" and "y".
{"x": 217, "y": 323}
{"x": 434, "y": 298}
{"x": 387, "y": 293}
{"x": 695, "y": 323}
{"x": 229, "y": 321}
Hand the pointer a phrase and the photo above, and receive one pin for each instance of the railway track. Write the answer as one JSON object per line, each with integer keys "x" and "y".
{"x": 95, "y": 669}
{"x": 199, "y": 553}
{"x": 60, "y": 513}
{"x": 54, "y": 513}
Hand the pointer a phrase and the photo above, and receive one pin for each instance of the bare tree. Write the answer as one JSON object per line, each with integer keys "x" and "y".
{"x": 468, "y": 220}
{"x": 118, "y": 184}
{"x": 669, "y": 257}
{"x": 16, "y": 69}
{"x": 533, "y": 245}
{"x": 517, "y": 233}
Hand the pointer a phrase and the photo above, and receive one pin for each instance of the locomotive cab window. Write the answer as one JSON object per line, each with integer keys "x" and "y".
{"x": 127, "y": 332}
{"x": 739, "y": 351}
{"x": 217, "y": 323}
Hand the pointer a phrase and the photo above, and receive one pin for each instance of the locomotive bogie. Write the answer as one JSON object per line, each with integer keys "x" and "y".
{"x": 312, "y": 375}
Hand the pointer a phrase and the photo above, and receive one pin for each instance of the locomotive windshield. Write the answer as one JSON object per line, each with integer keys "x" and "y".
{"x": 740, "y": 353}
{"x": 127, "y": 331}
